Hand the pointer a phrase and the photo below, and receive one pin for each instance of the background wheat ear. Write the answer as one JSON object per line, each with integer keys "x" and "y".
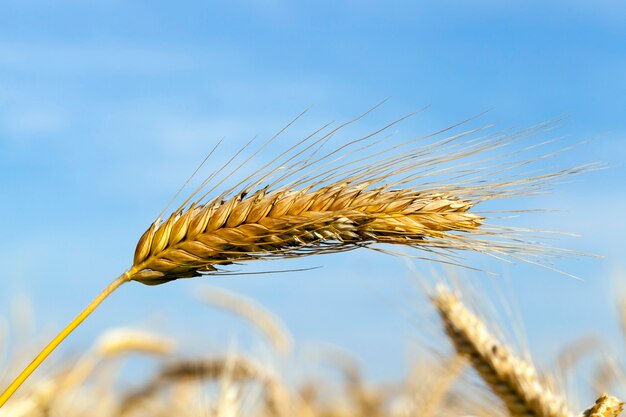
{"x": 605, "y": 406}
{"x": 264, "y": 320}
{"x": 235, "y": 369}
{"x": 509, "y": 377}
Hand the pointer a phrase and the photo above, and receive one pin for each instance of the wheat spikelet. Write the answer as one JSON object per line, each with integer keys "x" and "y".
{"x": 605, "y": 406}
{"x": 509, "y": 377}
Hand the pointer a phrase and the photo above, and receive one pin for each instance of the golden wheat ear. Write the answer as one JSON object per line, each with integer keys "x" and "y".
{"x": 314, "y": 198}
{"x": 508, "y": 376}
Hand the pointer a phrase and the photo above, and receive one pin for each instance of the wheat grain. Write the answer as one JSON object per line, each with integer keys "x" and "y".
{"x": 509, "y": 377}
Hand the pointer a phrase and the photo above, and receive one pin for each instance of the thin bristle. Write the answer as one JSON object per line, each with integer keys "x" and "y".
{"x": 509, "y": 377}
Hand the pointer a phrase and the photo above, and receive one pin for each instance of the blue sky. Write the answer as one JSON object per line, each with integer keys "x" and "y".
{"x": 107, "y": 106}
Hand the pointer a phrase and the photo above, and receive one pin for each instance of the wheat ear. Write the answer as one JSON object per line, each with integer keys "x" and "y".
{"x": 234, "y": 368}
{"x": 434, "y": 397}
{"x": 294, "y": 223}
{"x": 354, "y": 195}
{"x": 509, "y": 377}
{"x": 605, "y": 406}
{"x": 255, "y": 314}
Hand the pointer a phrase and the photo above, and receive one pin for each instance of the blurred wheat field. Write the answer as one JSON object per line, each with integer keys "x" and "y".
{"x": 313, "y": 196}
{"x": 240, "y": 384}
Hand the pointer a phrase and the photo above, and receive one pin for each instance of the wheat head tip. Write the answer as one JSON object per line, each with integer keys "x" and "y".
{"x": 605, "y": 406}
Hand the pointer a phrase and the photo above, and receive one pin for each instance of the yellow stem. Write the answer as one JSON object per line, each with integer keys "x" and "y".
{"x": 125, "y": 277}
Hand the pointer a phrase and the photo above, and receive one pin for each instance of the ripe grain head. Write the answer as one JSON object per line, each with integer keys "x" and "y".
{"x": 316, "y": 197}
{"x": 509, "y": 377}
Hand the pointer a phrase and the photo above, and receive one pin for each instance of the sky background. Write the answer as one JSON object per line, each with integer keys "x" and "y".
{"x": 107, "y": 106}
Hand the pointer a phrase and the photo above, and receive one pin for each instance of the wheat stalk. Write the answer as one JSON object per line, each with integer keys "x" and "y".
{"x": 115, "y": 343}
{"x": 353, "y": 195}
{"x": 605, "y": 406}
{"x": 509, "y": 377}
